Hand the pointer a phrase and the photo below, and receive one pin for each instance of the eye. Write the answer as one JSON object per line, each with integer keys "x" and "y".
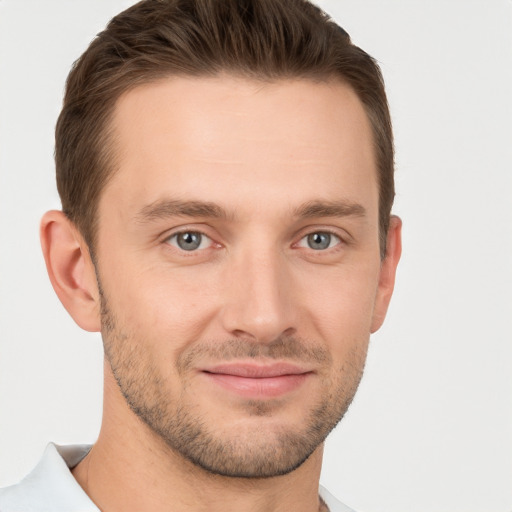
{"x": 319, "y": 241}
{"x": 190, "y": 241}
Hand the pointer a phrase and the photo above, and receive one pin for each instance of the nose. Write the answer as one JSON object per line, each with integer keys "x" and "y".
{"x": 259, "y": 303}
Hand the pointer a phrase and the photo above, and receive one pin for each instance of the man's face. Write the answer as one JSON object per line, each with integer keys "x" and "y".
{"x": 238, "y": 257}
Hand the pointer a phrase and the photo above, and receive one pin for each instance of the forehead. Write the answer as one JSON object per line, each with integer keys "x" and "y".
{"x": 231, "y": 139}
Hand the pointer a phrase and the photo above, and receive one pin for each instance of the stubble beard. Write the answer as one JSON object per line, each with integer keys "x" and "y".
{"x": 187, "y": 432}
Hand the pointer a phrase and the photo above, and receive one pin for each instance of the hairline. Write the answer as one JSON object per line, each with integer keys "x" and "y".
{"x": 109, "y": 149}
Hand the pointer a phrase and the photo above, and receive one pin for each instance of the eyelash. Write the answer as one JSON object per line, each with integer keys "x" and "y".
{"x": 339, "y": 241}
{"x": 331, "y": 234}
{"x": 176, "y": 235}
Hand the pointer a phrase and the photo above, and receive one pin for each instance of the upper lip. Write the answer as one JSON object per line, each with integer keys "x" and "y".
{"x": 257, "y": 371}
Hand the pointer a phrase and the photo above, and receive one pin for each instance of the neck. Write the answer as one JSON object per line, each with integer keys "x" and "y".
{"x": 130, "y": 468}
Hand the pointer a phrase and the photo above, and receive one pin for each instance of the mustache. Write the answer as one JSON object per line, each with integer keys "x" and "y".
{"x": 290, "y": 348}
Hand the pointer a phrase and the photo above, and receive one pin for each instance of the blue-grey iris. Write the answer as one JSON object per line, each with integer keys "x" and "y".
{"x": 319, "y": 241}
{"x": 189, "y": 241}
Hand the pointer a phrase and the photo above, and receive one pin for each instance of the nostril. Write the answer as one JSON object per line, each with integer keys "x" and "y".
{"x": 291, "y": 331}
{"x": 263, "y": 337}
{"x": 238, "y": 333}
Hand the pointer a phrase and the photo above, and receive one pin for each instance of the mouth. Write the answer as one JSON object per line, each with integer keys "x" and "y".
{"x": 257, "y": 381}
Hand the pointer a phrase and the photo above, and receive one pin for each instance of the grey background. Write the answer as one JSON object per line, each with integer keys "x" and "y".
{"x": 431, "y": 426}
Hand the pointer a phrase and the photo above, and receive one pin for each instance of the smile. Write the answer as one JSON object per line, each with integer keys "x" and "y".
{"x": 256, "y": 381}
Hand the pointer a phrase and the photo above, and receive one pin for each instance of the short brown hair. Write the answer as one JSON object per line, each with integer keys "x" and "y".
{"x": 257, "y": 39}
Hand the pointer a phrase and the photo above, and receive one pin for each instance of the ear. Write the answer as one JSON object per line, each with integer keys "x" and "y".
{"x": 71, "y": 269}
{"x": 387, "y": 272}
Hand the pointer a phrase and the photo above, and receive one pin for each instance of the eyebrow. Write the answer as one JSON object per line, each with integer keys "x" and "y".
{"x": 315, "y": 209}
{"x": 165, "y": 208}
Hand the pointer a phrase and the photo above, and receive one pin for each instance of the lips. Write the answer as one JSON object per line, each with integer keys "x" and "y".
{"x": 257, "y": 381}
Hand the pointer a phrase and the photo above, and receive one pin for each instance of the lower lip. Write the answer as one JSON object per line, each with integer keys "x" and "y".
{"x": 267, "y": 387}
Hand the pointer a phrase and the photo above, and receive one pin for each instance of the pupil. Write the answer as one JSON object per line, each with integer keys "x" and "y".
{"x": 319, "y": 241}
{"x": 189, "y": 241}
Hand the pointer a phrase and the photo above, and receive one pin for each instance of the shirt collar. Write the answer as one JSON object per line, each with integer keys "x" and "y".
{"x": 51, "y": 486}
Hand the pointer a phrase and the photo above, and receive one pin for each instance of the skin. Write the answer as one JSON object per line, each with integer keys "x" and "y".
{"x": 256, "y": 168}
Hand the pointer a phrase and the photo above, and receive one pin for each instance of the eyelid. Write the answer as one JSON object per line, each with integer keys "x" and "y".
{"x": 322, "y": 231}
{"x": 205, "y": 239}
{"x": 175, "y": 232}
{"x": 340, "y": 233}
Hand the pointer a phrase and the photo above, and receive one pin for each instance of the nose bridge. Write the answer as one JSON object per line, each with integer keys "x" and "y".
{"x": 258, "y": 302}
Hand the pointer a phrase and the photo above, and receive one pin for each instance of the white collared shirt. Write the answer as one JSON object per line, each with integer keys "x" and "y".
{"x": 51, "y": 487}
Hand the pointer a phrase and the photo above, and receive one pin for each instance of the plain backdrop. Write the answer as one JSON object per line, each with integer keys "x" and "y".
{"x": 431, "y": 427}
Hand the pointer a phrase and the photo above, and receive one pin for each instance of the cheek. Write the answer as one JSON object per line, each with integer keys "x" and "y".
{"x": 342, "y": 307}
{"x": 160, "y": 302}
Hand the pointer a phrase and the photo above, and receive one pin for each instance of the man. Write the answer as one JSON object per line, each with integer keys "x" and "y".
{"x": 226, "y": 177}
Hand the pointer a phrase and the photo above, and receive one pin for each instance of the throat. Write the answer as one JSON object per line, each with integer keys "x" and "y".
{"x": 322, "y": 506}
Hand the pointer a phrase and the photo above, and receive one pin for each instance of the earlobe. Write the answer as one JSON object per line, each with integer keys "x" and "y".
{"x": 70, "y": 269}
{"x": 387, "y": 272}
